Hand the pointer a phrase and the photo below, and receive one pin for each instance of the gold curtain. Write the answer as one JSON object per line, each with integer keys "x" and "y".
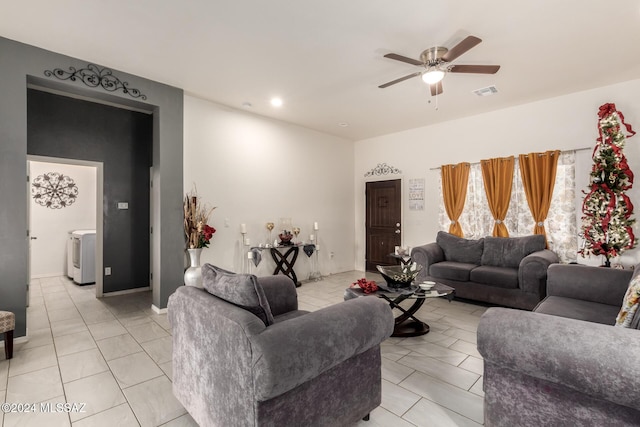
{"x": 497, "y": 175}
{"x": 454, "y": 193}
{"x": 538, "y": 171}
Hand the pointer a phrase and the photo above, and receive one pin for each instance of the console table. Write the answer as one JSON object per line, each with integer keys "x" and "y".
{"x": 285, "y": 257}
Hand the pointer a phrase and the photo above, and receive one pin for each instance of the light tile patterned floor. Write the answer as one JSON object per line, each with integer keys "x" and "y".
{"x": 114, "y": 355}
{"x": 434, "y": 380}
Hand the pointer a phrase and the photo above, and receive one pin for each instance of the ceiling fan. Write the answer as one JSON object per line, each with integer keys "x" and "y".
{"x": 436, "y": 61}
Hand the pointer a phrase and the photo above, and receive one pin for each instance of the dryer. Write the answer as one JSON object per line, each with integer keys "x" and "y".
{"x": 84, "y": 256}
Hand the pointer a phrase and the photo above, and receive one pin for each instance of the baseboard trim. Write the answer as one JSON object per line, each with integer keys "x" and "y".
{"x": 158, "y": 310}
{"x": 126, "y": 291}
{"x": 47, "y": 275}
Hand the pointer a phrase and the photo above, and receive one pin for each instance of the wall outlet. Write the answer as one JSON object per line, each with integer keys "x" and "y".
{"x": 107, "y": 271}
{"x": 123, "y": 205}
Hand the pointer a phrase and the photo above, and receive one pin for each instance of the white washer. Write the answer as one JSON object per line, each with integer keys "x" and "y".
{"x": 84, "y": 256}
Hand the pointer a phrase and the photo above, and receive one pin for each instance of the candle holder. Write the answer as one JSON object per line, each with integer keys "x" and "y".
{"x": 270, "y": 226}
{"x": 249, "y": 260}
{"x": 315, "y": 274}
{"x": 242, "y": 245}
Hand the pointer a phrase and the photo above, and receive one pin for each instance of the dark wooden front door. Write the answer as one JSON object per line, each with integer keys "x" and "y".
{"x": 383, "y": 232}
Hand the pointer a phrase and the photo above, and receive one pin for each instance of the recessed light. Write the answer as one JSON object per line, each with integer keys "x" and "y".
{"x": 343, "y": 124}
{"x": 276, "y": 102}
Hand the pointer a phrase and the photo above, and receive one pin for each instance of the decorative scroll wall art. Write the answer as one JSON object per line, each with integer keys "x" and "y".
{"x": 94, "y": 76}
{"x": 54, "y": 190}
{"x": 382, "y": 169}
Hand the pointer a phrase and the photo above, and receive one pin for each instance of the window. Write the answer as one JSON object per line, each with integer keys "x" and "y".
{"x": 476, "y": 219}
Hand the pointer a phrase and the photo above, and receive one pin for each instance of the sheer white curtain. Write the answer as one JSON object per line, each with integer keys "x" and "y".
{"x": 477, "y": 221}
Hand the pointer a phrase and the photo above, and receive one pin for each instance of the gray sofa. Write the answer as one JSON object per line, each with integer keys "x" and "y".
{"x": 508, "y": 271}
{"x": 249, "y": 357}
{"x": 564, "y": 364}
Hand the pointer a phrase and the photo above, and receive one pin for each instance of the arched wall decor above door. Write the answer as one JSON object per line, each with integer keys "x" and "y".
{"x": 94, "y": 76}
{"x": 54, "y": 190}
{"x": 382, "y": 169}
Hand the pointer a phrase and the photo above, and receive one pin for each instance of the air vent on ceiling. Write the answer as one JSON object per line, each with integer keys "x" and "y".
{"x": 486, "y": 91}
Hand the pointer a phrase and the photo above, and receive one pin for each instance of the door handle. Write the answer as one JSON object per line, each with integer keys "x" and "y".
{"x": 33, "y": 238}
{"x": 397, "y": 231}
{"x": 397, "y": 224}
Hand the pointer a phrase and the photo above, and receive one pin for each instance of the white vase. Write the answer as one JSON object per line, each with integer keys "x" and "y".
{"x": 193, "y": 274}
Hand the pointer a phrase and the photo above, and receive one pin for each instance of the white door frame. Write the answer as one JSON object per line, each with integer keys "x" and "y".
{"x": 99, "y": 209}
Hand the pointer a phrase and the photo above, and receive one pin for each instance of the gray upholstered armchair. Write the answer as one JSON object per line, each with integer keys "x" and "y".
{"x": 234, "y": 364}
{"x": 565, "y": 364}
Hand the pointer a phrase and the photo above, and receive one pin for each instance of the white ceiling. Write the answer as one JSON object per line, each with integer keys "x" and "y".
{"x": 325, "y": 58}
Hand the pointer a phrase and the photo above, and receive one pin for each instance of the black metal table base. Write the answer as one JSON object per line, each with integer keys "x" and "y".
{"x": 403, "y": 326}
{"x": 285, "y": 262}
{"x": 410, "y": 329}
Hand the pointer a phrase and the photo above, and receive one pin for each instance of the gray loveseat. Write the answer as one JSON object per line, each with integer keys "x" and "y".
{"x": 509, "y": 271}
{"x": 260, "y": 361}
{"x": 547, "y": 368}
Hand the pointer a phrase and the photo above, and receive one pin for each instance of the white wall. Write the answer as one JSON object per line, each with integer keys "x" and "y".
{"x": 255, "y": 170}
{"x": 564, "y": 123}
{"x": 51, "y": 226}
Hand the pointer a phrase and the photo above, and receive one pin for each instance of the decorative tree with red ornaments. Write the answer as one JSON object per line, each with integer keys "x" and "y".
{"x": 607, "y": 223}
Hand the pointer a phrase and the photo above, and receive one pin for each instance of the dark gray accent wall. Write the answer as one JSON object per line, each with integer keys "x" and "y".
{"x": 59, "y": 126}
{"x": 20, "y": 64}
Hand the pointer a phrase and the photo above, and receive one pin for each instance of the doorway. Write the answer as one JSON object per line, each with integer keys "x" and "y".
{"x": 383, "y": 215}
{"x": 121, "y": 139}
{"x": 50, "y": 232}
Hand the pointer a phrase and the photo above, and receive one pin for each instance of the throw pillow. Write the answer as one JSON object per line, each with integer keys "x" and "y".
{"x": 629, "y": 317}
{"x": 457, "y": 249}
{"x": 509, "y": 251}
{"x": 242, "y": 290}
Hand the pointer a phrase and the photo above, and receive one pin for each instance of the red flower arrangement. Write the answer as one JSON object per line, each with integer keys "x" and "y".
{"x": 196, "y": 216}
{"x": 368, "y": 286}
{"x": 205, "y": 236}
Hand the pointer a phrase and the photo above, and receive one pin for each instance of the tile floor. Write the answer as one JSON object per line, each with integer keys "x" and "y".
{"x": 114, "y": 356}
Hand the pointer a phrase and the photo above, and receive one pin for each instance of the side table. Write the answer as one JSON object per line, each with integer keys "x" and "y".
{"x": 406, "y": 324}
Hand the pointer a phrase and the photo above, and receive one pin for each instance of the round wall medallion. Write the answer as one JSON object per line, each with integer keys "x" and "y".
{"x": 54, "y": 190}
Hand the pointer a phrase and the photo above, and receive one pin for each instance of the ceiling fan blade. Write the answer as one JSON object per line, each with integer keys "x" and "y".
{"x": 460, "y": 48}
{"x": 403, "y": 59}
{"x": 436, "y": 88}
{"x": 401, "y": 79}
{"x": 478, "y": 69}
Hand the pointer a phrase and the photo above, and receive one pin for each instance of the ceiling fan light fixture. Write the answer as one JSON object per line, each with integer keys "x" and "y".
{"x": 437, "y": 62}
{"x": 433, "y": 76}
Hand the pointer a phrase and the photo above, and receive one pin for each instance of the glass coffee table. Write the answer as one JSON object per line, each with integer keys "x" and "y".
{"x": 406, "y": 324}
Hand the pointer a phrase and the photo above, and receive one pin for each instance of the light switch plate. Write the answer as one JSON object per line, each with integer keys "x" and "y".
{"x": 123, "y": 205}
